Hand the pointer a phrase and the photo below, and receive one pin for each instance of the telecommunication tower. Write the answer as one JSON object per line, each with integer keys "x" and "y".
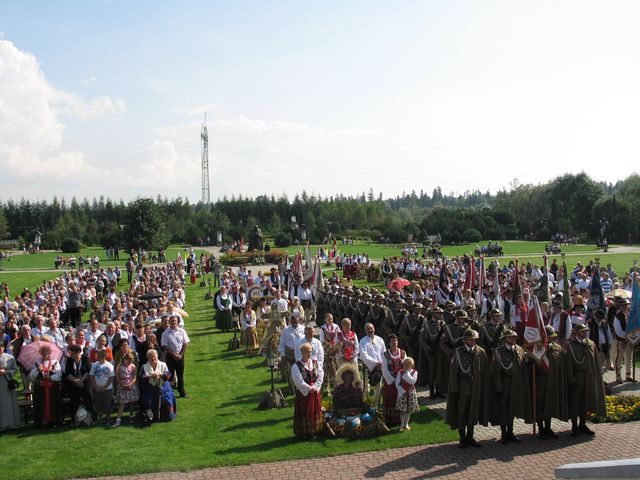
{"x": 204, "y": 140}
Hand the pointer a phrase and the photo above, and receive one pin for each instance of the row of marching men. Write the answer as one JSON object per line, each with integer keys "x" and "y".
{"x": 434, "y": 336}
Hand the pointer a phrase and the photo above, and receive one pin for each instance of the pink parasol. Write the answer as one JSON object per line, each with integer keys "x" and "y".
{"x": 398, "y": 284}
{"x": 30, "y": 354}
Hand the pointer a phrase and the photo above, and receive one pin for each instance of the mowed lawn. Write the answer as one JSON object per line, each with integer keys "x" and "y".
{"x": 524, "y": 251}
{"x": 45, "y": 260}
{"x": 219, "y": 425}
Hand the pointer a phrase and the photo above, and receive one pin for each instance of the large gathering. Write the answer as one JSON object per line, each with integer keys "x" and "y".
{"x": 456, "y": 328}
{"x": 336, "y": 240}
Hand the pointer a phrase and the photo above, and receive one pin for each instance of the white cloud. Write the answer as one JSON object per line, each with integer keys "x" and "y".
{"x": 31, "y": 129}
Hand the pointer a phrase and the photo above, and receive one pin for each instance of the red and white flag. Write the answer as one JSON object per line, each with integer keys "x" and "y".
{"x": 535, "y": 336}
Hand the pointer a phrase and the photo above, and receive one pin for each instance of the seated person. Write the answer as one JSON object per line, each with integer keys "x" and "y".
{"x": 347, "y": 396}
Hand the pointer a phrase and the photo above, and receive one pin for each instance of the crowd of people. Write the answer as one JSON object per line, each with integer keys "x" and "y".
{"x": 129, "y": 352}
{"x": 465, "y": 345}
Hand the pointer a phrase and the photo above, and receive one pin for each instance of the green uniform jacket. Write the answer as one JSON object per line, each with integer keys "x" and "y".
{"x": 509, "y": 392}
{"x": 584, "y": 377}
{"x": 468, "y": 377}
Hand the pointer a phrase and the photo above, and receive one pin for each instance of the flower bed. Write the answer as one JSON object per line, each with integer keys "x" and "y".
{"x": 368, "y": 424}
{"x": 231, "y": 259}
{"x": 620, "y": 408}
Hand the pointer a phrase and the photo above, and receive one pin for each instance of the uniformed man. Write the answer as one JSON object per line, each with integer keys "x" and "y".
{"x": 409, "y": 333}
{"x": 584, "y": 377}
{"x": 491, "y": 332}
{"x": 550, "y": 386}
{"x": 430, "y": 351}
{"x": 468, "y": 399}
{"x": 450, "y": 339}
{"x": 377, "y": 313}
{"x": 510, "y": 383}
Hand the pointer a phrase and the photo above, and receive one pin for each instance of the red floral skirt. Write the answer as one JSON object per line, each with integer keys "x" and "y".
{"x": 307, "y": 414}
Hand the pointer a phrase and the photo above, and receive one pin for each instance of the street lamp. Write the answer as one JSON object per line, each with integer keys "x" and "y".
{"x": 272, "y": 398}
{"x": 207, "y": 296}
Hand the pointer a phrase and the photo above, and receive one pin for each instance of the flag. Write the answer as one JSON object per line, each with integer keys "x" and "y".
{"x": 443, "y": 284}
{"x": 496, "y": 285}
{"x": 287, "y": 264}
{"x": 317, "y": 282}
{"x": 566, "y": 296}
{"x": 633, "y": 322}
{"x": 297, "y": 265}
{"x": 469, "y": 275}
{"x": 481, "y": 281}
{"x": 516, "y": 289}
{"x": 543, "y": 291}
{"x": 308, "y": 268}
{"x": 596, "y": 295}
{"x": 535, "y": 336}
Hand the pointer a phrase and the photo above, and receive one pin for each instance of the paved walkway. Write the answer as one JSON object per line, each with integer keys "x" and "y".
{"x": 531, "y": 459}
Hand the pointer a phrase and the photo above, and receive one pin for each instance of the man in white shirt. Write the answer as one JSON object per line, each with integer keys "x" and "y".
{"x": 280, "y": 302}
{"x": 317, "y": 351}
{"x": 372, "y": 349}
{"x": 92, "y": 333}
{"x": 289, "y": 339}
{"x": 175, "y": 342}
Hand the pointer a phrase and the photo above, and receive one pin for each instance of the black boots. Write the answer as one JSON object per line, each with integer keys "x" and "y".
{"x": 582, "y": 428}
{"x": 470, "y": 440}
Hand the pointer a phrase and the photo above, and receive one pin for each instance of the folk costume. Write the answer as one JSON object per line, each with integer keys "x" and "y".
{"x": 391, "y": 365}
{"x": 9, "y": 413}
{"x": 328, "y": 339}
{"x": 348, "y": 348}
{"x": 223, "y": 316}
{"x": 249, "y": 332}
{"x": 407, "y": 402}
{"x": 47, "y": 394}
{"x": 307, "y": 417}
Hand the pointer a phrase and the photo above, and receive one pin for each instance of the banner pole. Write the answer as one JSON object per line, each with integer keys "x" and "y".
{"x": 534, "y": 398}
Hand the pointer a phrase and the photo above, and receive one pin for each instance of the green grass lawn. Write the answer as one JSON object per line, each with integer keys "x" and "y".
{"x": 44, "y": 260}
{"x": 219, "y": 425}
{"x": 524, "y": 251}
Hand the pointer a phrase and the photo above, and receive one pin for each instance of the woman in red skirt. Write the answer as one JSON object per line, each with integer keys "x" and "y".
{"x": 307, "y": 377}
{"x": 391, "y": 365}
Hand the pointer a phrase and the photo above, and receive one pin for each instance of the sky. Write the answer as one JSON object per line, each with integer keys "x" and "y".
{"x": 107, "y": 98}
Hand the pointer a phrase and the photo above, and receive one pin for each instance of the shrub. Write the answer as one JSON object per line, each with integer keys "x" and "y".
{"x": 282, "y": 239}
{"x": 471, "y": 235}
{"x": 70, "y": 245}
{"x": 231, "y": 259}
{"x": 374, "y": 273}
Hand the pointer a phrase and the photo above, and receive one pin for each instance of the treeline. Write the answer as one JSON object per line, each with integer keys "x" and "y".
{"x": 572, "y": 204}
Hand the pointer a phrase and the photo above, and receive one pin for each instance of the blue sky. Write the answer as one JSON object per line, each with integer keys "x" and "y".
{"x": 106, "y": 98}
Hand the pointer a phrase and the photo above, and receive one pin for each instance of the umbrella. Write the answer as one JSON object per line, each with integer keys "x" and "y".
{"x": 619, "y": 293}
{"x": 398, "y": 284}
{"x": 30, "y": 354}
{"x": 177, "y": 310}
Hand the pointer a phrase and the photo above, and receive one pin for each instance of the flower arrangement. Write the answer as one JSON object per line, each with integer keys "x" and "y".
{"x": 620, "y": 408}
{"x": 367, "y": 424}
